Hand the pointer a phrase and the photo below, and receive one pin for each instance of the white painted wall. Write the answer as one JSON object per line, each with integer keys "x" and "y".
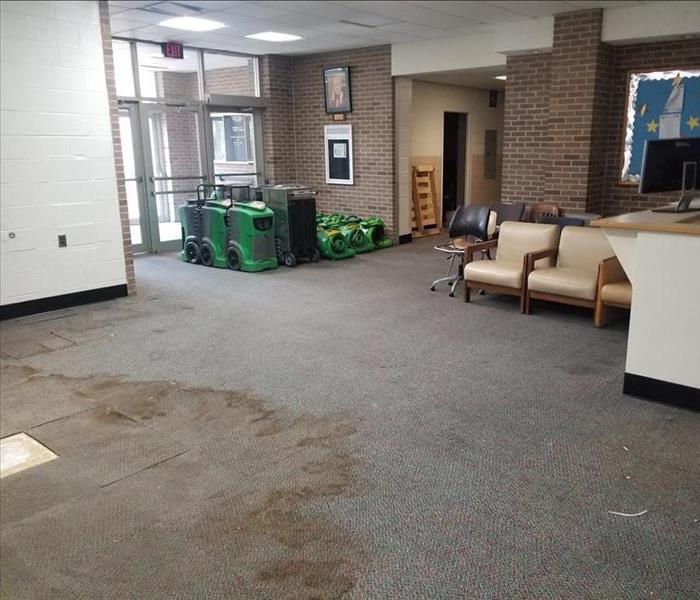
{"x": 469, "y": 52}
{"x": 664, "y": 332}
{"x": 636, "y": 23}
{"x": 650, "y": 22}
{"x": 56, "y": 156}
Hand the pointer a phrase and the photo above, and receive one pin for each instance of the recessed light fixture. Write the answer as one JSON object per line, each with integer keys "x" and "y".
{"x": 192, "y": 24}
{"x": 501, "y": 77}
{"x": 273, "y": 36}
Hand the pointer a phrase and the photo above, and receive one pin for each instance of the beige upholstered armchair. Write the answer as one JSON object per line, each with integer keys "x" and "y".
{"x": 614, "y": 291}
{"x": 506, "y": 273}
{"x": 576, "y": 276}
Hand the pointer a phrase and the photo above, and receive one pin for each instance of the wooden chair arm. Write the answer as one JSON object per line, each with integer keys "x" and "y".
{"x": 610, "y": 271}
{"x": 471, "y": 250}
{"x": 532, "y": 257}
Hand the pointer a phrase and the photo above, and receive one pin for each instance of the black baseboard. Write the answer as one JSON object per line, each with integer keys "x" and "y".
{"x": 30, "y": 307}
{"x": 662, "y": 391}
{"x": 406, "y": 238}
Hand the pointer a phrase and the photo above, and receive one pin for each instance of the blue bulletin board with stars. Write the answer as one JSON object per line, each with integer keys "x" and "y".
{"x": 661, "y": 105}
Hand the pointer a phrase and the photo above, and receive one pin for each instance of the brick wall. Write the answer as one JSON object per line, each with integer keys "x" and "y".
{"x": 278, "y": 118}
{"x": 564, "y": 117}
{"x": 106, "y": 32}
{"x": 526, "y": 139}
{"x": 639, "y": 57}
{"x": 237, "y": 81}
{"x": 575, "y": 62}
{"x": 372, "y": 120}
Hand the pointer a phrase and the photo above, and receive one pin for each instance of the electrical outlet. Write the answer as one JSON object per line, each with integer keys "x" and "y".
{"x": 62, "y": 242}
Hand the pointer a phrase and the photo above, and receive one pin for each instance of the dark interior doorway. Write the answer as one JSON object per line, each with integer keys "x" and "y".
{"x": 454, "y": 152}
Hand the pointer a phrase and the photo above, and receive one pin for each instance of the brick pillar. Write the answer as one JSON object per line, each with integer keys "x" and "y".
{"x": 116, "y": 143}
{"x": 526, "y": 136}
{"x": 578, "y": 95}
{"x": 278, "y": 118}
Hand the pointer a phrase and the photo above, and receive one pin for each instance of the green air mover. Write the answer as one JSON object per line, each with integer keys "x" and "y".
{"x": 356, "y": 238}
{"x": 332, "y": 244}
{"x": 374, "y": 230}
{"x": 228, "y": 230}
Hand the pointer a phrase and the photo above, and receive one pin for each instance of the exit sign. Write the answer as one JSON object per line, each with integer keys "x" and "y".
{"x": 172, "y": 50}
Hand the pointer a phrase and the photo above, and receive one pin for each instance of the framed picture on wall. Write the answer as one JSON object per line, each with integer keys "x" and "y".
{"x": 336, "y": 89}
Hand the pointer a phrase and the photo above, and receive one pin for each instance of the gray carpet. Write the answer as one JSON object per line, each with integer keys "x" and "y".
{"x": 338, "y": 430}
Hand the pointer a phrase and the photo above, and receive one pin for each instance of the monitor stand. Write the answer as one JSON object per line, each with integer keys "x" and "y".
{"x": 683, "y": 205}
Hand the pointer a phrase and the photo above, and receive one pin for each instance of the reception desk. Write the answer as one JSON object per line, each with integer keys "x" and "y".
{"x": 660, "y": 253}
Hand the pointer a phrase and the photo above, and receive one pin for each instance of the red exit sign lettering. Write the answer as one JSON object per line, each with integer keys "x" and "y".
{"x": 172, "y": 50}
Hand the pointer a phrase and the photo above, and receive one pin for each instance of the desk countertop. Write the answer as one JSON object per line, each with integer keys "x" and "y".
{"x": 646, "y": 220}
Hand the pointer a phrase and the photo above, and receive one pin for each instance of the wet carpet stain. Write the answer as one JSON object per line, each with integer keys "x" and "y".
{"x": 268, "y": 516}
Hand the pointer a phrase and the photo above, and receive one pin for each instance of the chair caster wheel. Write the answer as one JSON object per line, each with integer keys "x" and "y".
{"x": 451, "y": 294}
{"x": 432, "y": 288}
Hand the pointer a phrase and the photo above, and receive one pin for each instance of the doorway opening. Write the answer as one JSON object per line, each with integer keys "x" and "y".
{"x": 454, "y": 154}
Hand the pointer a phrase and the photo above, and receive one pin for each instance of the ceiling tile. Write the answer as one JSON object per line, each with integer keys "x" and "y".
{"x": 414, "y": 29}
{"x": 133, "y": 3}
{"x": 298, "y": 20}
{"x": 533, "y": 8}
{"x": 414, "y": 13}
{"x": 613, "y": 4}
{"x": 119, "y": 25}
{"x": 213, "y": 4}
{"x": 257, "y": 11}
{"x": 476, "y": 11}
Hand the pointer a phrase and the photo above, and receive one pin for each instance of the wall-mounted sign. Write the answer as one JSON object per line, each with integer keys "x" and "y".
{"x": 172, "y": 50}
{"x": 338, "y": 141}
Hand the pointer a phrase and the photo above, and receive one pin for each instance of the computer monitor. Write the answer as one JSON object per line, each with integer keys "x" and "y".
{"x": 672, "y": 165}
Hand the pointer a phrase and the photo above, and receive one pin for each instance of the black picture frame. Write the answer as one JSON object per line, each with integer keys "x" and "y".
{"x": 337, "y": 92}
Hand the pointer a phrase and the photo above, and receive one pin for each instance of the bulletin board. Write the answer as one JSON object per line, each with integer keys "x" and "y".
{"x": 660, "y": 105}
{"x": 338, "y": 143}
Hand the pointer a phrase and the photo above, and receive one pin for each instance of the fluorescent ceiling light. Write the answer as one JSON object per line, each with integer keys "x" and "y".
{"x": 273, "y": 36}
{"x": 501, "y": 77}
{"x": 192, "y": 24}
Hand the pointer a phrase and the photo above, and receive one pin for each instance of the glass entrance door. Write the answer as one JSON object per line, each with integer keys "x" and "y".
{"x": 175, "y": 165}
{"x": 234, "y": 141}
{"x": 133, "y": 175}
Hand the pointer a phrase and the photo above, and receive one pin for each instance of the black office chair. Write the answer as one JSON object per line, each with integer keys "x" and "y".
{"x": 508, "y": 212}
{"x": 469, "y": 225}
{"x": 563, "y": 221}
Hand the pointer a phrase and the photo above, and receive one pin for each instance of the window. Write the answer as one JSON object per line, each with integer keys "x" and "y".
{"x": 160, "y": 77}
{"x": 123, "y": 69}
{"x": 233, "y": 137}
{"x": 226, "y": 74}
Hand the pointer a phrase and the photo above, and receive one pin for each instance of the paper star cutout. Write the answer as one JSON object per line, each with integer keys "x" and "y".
{"x": 677, "y": 80}
{"x": 652, "y": 126}
{"x": 693, "y": 122}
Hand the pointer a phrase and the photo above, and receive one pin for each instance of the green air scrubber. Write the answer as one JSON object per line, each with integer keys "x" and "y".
{"x": 356, "y": 238}
{"x": 223, "y": 232}
{"x": 332, "y": 244}
{"x": 374, "y": 230}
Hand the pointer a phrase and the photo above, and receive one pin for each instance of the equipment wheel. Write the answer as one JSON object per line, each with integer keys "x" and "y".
{"x": 289, "y": 260}
{"x": 315, "y": 256}
{"x": 192, "y": 253}
{"x": 233, "y": 259}
{"x": 207, "y": 257}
